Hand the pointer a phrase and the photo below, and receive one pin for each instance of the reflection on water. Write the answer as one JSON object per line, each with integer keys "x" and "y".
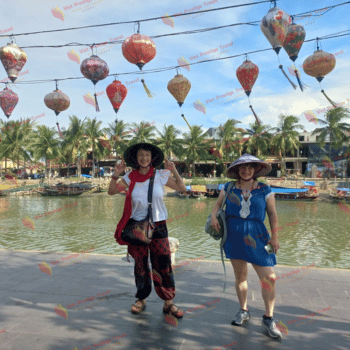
{"x": 309, "y": 232}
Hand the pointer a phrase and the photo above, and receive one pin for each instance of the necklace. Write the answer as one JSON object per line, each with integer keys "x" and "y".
{"x": 245, "y": 192}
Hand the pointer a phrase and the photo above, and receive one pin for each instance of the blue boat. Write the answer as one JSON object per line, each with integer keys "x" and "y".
{"x": 293, "y": 193}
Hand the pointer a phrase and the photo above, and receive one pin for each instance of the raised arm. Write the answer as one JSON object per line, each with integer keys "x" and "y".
{"x": 177, "y": 183}
{"x": 117, "y": 185}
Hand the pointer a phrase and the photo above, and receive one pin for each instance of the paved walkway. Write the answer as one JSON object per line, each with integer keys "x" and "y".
{"x": 51, "y": 301}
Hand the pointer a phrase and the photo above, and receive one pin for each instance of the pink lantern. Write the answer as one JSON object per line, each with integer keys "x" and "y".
{"x": 13, "y": 58}
{"x": 94, "y": 69}
{"x": 57, "y": 101}
{"x": 8, "y": 101}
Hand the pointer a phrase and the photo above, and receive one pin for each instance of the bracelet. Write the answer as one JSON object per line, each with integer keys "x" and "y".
{"x": 115, "y": 177}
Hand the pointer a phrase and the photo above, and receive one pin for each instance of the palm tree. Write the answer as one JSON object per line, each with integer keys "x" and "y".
{"x": 229, "y": 137}
{"x": 334, "y": 127}
{"x": 75, "y": 143}
{"x": 143, "y": 132}
{"x": 45, "y": 144}
{"x": 118, "y": 136}
{"x": 93, "y": 134}
{"x": 287, "y": 138}
{"x": 258, "y": 142}
{"x": 197, "y": 145}
{"x": 168, "y": 142}
{"x": 15, "y": 139}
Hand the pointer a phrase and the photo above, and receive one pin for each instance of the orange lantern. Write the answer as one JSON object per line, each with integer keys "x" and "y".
{"x": 247, "y": 73}
{"x": 116, "y": 93}
{"x": 318, "y": 65}
{"x": 139, "y": 49}
{"x": 179, "y": 87}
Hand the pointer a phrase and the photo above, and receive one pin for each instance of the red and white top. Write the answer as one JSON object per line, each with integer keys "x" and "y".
{"x": 140, "y": 194}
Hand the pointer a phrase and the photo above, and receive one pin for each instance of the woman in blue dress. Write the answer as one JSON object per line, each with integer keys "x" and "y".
{"x": 247, "y": 236}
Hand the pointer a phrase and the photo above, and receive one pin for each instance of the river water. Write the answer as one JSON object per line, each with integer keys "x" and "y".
{"x": 310, "y": 232}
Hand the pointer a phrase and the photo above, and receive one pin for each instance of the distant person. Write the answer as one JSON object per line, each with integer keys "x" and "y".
{"x": 144, "y": 158}
{"x": 246, "y": 204}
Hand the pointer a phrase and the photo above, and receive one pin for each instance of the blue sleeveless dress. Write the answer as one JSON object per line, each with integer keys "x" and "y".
{"x": 246, "y": 233}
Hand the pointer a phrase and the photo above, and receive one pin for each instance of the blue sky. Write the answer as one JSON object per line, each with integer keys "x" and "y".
{"x": 271, "y": 95}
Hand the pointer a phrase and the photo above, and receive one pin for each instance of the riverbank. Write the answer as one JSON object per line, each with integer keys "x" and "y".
{"x": 312, "y": 306}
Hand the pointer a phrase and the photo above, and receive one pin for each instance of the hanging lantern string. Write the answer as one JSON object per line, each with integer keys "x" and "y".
{"x": 329, "y": 100}
{"x": 183, "y": 116}
{"x": 300, "y": 15}
{"x": 298, "y": 78}
{"x": 159, "y": 70}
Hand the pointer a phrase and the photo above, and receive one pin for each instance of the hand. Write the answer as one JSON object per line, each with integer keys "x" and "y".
{"x": 215, "y": 224}
{"x": 169, "y": 165}
{"x": 119, "y": 168}
{"x": 275, "y": 244}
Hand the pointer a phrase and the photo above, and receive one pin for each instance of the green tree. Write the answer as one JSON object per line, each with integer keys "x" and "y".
{"x": 93, "y": 134}
{"x": 168, "y": 141}
{"x": 143, "y": 132}
{"x": 334, "y": 127}
{"x": 196, "y": 145}
{"x": 287, "y": 137}
{"x": 230, "y": 136}
{"x": 45, "y": 144}
{"x": 118, "y": 136}
{"x": 258, "y": 142}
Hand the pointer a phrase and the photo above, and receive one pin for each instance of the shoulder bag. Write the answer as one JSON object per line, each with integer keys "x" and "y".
{"x": 139, "y": 233}
{"x": 222, "y": 233}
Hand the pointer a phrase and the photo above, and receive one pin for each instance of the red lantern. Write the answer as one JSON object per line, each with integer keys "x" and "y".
{"x": 94, "y": 69}
{"x": 247, "y": 73}
{"x": 139, "y": 49}
{"x": 8, "y": 101}
{"x": 116, "y": 93}
{"x": 318, "y": 65}
{"x": 292, "y": 44}
{"x": 13, "y": 58}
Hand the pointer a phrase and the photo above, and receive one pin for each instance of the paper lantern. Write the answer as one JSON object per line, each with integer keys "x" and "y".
{"x": 247, "y": 73}
{"x": 116, "y": 93}
{"x": 139, "y": 49}
{"x": 8, "y": 101}
{"x": 57, "y": 101}
{"x": 292, "y": 44}
{"x": 13, "y": 58}
{"x": 274, "y": 26}
{"x": 94, "y": 69}
{"x": 319, "y": 64}
{"x": 179, "y": 87}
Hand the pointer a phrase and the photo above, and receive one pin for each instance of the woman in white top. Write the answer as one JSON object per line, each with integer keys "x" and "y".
{"x": 144, "y": 157}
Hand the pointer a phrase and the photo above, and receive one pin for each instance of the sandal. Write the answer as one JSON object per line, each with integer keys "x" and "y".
{"x": 138, "y": 307}
{"x": 178, "y": 313}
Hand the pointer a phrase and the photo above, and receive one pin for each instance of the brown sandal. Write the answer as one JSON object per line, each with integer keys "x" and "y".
{"x": 138, "y": 307}
{"x": 178, "y": 313}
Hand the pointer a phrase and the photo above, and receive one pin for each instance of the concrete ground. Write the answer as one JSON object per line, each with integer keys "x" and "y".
{"x": 51, "y": 301}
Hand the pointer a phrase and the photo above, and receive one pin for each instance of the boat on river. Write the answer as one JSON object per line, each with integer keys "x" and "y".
{"x": 61, "y": 189}
{"x": 185, "y": 194}
{"x": 198, "y": 191}
{"x": 340, "y": 195}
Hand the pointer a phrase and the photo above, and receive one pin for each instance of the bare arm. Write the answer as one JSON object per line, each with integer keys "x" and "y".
{"x": 119, "y": 185}
{"x": 271, "y": 212}
{"x": 177, "y": 183}
{"x": 214, "y": 221}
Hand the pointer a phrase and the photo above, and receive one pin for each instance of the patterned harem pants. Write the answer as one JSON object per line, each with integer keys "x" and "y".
{"x": 162, "y": 273}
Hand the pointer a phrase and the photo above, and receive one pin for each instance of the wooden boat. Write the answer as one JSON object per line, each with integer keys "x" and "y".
{"x": 212, "y": 190}
{"x": 185, "y": 194}
{"x": 198, "y": 191}
{"x": 294, "y": 194}
{"x": 61, "y": 189}
{"x": 341, "y": 195}
{"x": 3, "y": 194}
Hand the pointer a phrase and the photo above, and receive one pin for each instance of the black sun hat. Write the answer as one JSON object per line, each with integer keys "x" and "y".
{"x": 131, "y": 152}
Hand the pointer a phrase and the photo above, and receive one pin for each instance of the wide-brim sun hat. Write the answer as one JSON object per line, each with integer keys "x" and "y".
{"x": 131, "y": 153}
{"x": 262, "y": 169}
